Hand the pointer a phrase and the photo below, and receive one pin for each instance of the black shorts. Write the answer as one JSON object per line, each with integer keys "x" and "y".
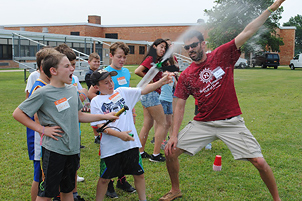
{"x": 125, "y": 163}
{"x": 58, "y": 173}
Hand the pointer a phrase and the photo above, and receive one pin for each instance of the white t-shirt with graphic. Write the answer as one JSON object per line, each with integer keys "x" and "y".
{"x": 103, "y": 104}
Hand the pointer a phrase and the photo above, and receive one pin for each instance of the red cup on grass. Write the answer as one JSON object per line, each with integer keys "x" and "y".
{"x": 217, "y": 163}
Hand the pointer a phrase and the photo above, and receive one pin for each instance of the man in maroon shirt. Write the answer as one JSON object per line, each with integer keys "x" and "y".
{"x": 209, "y": 79}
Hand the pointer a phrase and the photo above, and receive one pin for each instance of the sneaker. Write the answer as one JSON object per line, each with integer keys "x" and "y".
{"x": 56, "y": 198}
{"x": 171, "y": 196}
{"x": 163, "y": 145}
{"x": 82, "y": 147}
{"x": 97, "y": 140}
{"x": 145, "y": 155}
{"x": 78, "y": 198}
{"x": 124, "y": 185}
{"x": 208, "y": 147}
{"x": 110, "y": 190}
{"x": 158, "y": 158}
{"x": 80, "y": 179}
{"x": 153, "y": 140}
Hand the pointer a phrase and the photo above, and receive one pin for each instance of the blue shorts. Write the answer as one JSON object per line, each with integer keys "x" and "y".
{"x": 151, "y": 99}
{"x": 167, "y": 106}
{"x": 37, "y": 171}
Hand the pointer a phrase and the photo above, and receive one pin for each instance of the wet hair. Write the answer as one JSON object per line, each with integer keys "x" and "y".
{"x": 51, "y": 60}
{"x": 64, "y": 49}
{"x": 94, "y": 55}
{"x": 42, "y": 53}
{"x": 152, "y": 50}
{"x": 193, "y": 33}
{"x": 117, "y": 45}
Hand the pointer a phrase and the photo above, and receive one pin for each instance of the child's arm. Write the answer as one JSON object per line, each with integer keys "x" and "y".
{"x": 87, "y": 118}
{"x": 151, "y": 87}
{"x": 20, "y": 116}
{"x": 124, "y": 135}
{"x": 92, "y": 92}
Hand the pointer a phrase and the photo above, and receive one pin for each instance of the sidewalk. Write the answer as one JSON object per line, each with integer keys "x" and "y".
{"x": 7, "y": 71}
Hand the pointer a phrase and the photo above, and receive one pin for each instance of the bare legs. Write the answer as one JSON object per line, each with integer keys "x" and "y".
{"x": 155, "y": 113}
{"x": 267, "y": 176}
{"x": 139, "y": 182}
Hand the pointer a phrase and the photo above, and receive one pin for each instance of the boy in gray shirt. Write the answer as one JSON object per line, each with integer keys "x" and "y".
{"x": 59, "y": 111}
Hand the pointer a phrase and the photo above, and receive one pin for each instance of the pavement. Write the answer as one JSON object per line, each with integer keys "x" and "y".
{"x": 7, "y": 71}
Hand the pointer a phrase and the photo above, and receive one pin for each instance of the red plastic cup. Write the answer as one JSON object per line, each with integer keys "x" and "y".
{"x": 217, "y": 163}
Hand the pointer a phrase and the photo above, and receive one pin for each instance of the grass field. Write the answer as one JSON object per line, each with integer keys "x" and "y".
{"x": 270, "y": 100}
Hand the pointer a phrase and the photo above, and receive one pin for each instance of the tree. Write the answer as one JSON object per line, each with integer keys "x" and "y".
{"x": 229, "y": 17}
{"x": 297, "y": 22}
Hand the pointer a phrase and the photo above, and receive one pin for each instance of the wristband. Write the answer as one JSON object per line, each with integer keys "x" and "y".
{"x": 42, "y": 136}
{"x": 269, "y": 9}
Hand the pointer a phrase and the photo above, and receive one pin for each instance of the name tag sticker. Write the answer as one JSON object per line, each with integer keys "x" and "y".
{"x": 121, "y": 80}
{"x": 218, "y": 72}
{"x": 62, "y": 104}
{"x": 115, "y": 97}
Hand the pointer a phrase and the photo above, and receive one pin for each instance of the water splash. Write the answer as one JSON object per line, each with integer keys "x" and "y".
{"x": 177, "y": 45}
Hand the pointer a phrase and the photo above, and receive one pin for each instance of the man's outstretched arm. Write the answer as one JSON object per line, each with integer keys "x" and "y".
{"x": 255, "y": 25}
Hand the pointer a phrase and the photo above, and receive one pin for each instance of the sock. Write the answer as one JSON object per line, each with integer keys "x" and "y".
{"x": 155, "y": 155}
{"x": 141, "y": 152}
{"x": 75, "y": 194}
{"x": 95, "y": 137}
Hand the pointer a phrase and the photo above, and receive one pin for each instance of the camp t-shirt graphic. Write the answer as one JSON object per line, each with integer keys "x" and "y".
{"x": 116, "y": 103}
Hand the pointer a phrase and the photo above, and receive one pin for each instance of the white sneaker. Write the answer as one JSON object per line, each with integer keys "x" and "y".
{"x": 80, "y": 179}
{"x": 208, "y": 147}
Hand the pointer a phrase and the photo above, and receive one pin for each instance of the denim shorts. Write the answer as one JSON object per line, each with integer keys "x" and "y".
{"x": 167, "y": 106}
{"x": 150, "y": 99}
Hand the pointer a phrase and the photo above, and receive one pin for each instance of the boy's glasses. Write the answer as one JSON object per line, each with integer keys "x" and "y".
{"x": 193, "y": 45}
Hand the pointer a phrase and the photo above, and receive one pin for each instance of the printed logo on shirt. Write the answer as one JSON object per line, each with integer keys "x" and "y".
{"x": 62, "y": 104}
{"x": 113, "y": 107}
{"x": 122, "y": 80}
{"x": 205, "y": 75}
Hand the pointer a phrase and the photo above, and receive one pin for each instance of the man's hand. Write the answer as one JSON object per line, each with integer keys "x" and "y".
{"x": 276, "y": 5}
{"x": 171, "y": 146}
{"x": 53, "y": 131}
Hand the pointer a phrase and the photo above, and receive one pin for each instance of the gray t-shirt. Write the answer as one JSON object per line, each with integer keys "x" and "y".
{"x": 57, "y": 107}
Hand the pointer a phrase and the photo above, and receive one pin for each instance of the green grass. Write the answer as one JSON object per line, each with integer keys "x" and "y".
{"x": 270, "y": 100}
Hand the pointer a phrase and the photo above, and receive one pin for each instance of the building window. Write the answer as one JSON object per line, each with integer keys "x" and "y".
{"x": 131, "y": 47}
{"x": 75, "y": 33}
{"x": 6, "y": 52}
{"x": 111, "y": 35}
{"x": 141, "y": 49}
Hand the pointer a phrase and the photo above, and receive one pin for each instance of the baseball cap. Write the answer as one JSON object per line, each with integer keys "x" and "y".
{"x": 98, "y": 75}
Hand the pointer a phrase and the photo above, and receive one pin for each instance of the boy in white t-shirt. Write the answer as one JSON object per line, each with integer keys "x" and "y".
{"x": 119, "y": 143}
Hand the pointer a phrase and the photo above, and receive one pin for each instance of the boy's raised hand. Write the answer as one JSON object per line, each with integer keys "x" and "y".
{"x": 124, "y": 135}
{"x": 167, "y": 78}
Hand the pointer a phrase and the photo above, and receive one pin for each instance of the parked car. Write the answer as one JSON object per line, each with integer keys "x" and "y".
{"x": 266, "y": 59}
{"x": 296, "y": 62}
{"x": 241, "y": 63}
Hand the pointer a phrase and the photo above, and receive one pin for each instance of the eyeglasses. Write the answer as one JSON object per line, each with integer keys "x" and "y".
{"x": 193, "y": 45}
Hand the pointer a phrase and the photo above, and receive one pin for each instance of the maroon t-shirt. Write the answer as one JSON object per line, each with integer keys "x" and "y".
{"x": 211, "y": 83}
{"x": 147, "y": 63}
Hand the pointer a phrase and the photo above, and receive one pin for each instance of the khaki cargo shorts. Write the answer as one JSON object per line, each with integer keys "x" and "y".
{"x": 233, "y": 132}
